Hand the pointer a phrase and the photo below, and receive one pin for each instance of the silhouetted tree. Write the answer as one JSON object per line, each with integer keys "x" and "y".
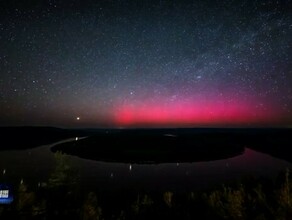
{"x": 91, "y": 210}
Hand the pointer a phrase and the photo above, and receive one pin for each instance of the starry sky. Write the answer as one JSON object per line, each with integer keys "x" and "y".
{"x": 146, "y": 63}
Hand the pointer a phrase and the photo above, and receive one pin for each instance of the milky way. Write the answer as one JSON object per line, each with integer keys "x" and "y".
{"x": 146, "y": 63}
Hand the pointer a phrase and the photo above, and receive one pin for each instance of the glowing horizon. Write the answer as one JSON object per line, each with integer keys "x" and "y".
{"x": 152, "y": 64}
{"x": 200, "y": 113}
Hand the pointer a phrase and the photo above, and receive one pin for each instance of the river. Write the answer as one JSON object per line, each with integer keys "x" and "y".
{"x": 34, "y": 166}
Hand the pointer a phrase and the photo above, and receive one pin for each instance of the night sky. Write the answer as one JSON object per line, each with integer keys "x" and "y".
{"x": 122, "y": 63}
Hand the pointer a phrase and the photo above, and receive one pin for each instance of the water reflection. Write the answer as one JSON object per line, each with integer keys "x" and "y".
{"x": 36, "y": 165}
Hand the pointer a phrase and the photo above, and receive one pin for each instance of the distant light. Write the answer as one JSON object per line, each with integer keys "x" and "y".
{"x": 76, "y": 139}
{"x": 77, "y": 118}
{"x": 4, "y": 171}
{"x": 130, "y": 167}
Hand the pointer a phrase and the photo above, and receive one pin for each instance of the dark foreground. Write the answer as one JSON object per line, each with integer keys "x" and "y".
{"x": 20, "y": 138}
{"x": 177, "y": 145}
{"x": 61, "y": 195}
{"x": 62, "y": 198}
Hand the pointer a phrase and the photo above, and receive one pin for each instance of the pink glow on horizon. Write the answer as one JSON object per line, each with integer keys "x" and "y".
{"x": 191, "y": 113}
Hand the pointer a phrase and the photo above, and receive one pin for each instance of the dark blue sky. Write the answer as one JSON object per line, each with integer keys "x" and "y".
{"x": 146, "y": 63}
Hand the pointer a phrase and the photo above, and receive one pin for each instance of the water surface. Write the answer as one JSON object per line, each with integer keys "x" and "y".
{"x": 35, "y": 165}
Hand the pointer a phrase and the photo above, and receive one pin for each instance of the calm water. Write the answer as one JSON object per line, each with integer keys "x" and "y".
{"x": 35, "y": 165}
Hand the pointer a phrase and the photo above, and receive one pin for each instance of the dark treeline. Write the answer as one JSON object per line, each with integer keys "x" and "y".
{"x": 61, "y": 197}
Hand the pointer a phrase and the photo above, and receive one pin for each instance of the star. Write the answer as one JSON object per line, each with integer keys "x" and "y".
{"x": 123, "y": 68}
